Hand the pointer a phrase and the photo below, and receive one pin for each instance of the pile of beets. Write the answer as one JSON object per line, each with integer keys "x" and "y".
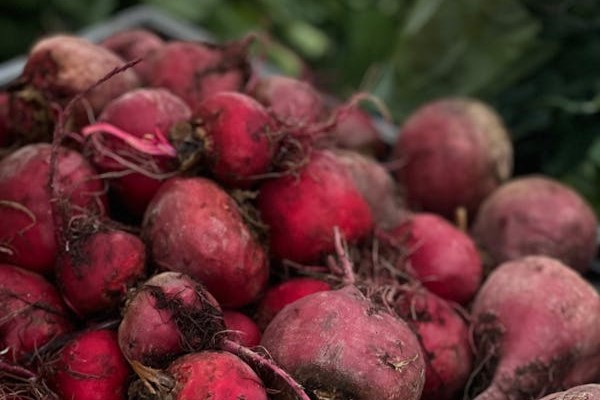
{"x": 174, "y": 225}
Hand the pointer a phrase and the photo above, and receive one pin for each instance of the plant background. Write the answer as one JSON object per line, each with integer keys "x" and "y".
{"x": 536, "y": 61}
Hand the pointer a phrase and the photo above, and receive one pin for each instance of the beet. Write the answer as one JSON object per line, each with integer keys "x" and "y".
{"x": 133, "y": 44}
{"x": 354, "y": 130}
{"x": 215, "y": 375}
{"x": 243, "y": 329}
{"x": 27, "y": 228}
{"x": 96, "y": 272}
{"x": 193, "y": 226}
{"x": 169, "y": 315}
{"x": 441, "y": 256}
{"x": 454, "y": 152}
{"x": 380, "y": 359}
{"x": 58, "y": 68}
{"x": 147, "y": 116}
{"x": 302, "y": 209}
{"x": 235, "y": 138}
{"x": 33, "y": 313}
{"x": 196, "y": 70}
{"x": 537, "y": 215}
{"x": 90, "y": 367}
{"x": 444, "y": 336}
{"x": 293, "y": 102}
{"x": 536, "y": 327}
{"x": 284, "y": 293}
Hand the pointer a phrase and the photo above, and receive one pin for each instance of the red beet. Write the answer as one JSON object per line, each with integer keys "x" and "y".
{"x": 444, "y": 336}
{"x": 537, "y": 215}
{"x": 294, "y": 103}
{"x": 146, "y": 116}
{"x": 454, "y": 153}
{"x": 243, "y": 329}
{"x": 96, "y": 271}
{"x": 196, "y": 70}
{"x": 237, "y": 138}
{"x": 441, "y": 256}
{"x": 58, "y": 68}
{"x": 279, "y": 296}
{"x": 169, "y": 315}
{"x": 193, "y": 226}
{"x": 302, "y": 210}
{"x": 215, "y": 375}
{"x": 133, "y": 44}
{"x": 27, "y": 229}
{"x": 90, "y": 367}
{"x": 32, "y": 313}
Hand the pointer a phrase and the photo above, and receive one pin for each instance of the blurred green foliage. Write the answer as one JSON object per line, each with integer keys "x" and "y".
{"x": 536, "y": 61}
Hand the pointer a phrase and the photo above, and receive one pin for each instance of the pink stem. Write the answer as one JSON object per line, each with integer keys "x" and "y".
{"x": 246, "y": 353}
{"x": 158, "y": 146}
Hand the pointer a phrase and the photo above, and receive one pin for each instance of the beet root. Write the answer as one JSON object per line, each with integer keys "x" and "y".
{"x": 90, "y": 367}
{"x": 450, "y": 267}
{"x": 243, "y": 329}
{"x": 216, "y": 375}
{"x": 27, "y": 227}
{"x": 193, "y": 226}
{"x": 303, "y": 210}
{"x": 169, "y": 315}
{"x": 284, "y": 293}
{"x": 130, "y": 143}
{"x": 536, "y": 325}
{"x": 234, "y": 135}
{"x": 133, "y": 44}
{"x": 444, "y": 336}
{"x": 454, "y": 152}
{"x": 381, "y": 359}
{"x": 294, "y": 103}
{"x": 537, "y": 215}
{"x": 96, "y": 272}
{"x": 32, "y": 310}
{"x": 196, "y": 70}
{"x": 58, "y": 68}
{"x": 582, "y": 392}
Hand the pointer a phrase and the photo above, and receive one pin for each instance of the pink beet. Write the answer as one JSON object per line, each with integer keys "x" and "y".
{"x": 453, "y": 152}
{"x": 339, "y": 344}
{"x": 145, "y": 116}
{"x": 99, "y": 268}
{"x": 193, "y": 226}
{"x": 27, "y": 228}
{"x": 243, "y": 329}
{"x": 284, "y": 293}
{"x": 537, "y": 215}
{"x": 303, "y": 208}
{"x": 90, "y": 367}
{"x": 196, "y": 70}
{"x": 536, "y": 326}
